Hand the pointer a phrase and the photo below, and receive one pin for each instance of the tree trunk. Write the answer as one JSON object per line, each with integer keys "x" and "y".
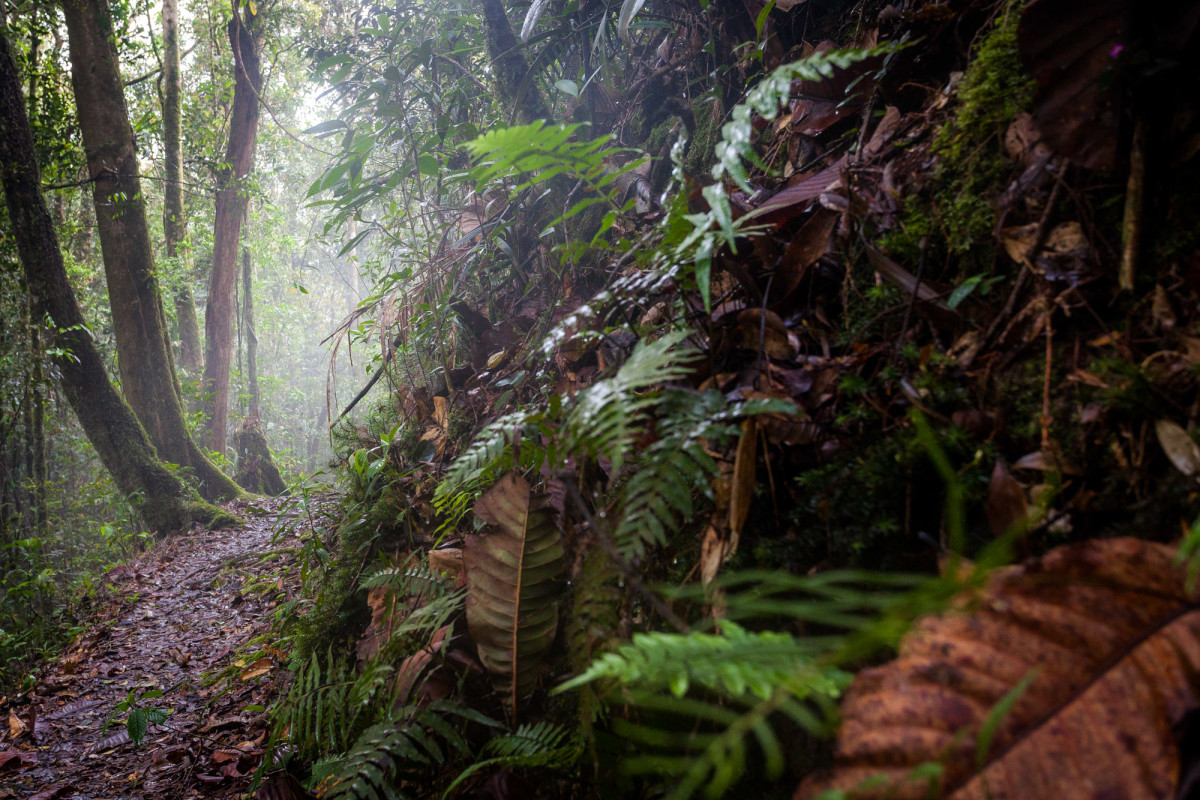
{"x": 139, "y": 323}
{"x": 230, "y": 208}
{"x": 120, "y": 441}
{"x": 35, "y": 428}
{"x": 256, "y": 471}
{"x": 248, "y": 326}
{"x": 174, "y": 222}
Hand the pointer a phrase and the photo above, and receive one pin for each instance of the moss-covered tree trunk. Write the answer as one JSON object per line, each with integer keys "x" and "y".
{"x": 119, "y": 439}
{"x": 139, "y": 322}
{"x": 230, "y": 208}
{"x": 191, "y": 356}
{"x": 251, "y": 337}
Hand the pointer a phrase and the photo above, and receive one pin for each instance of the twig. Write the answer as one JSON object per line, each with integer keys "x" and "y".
{"x": 1135, "y": 200}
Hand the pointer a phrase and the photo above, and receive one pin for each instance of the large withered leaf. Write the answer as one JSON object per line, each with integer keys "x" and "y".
{"x": 1107, "y": 635}
{"x": 512, "y": 574}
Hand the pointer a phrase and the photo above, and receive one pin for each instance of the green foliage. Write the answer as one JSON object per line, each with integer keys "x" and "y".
{"x": 139, "y": 716}
{"x": 970, "y": 147}
{"x": 541, "y": 745}
{"x": 735, "y": 662}
{"x": 705, "y": 696}
{"x": 411, "y": 737}
{"x": 716, "y": 228}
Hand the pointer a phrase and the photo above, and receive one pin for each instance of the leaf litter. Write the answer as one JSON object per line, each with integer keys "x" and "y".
{"x": 177, "y": 622}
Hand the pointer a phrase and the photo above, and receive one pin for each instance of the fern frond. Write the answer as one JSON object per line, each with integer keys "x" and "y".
{"x": 603, "y": 417}
{"x": 734, "y": 663}
{"x": 702, "y": 742}
{"x": 488, "y": 456}
{"x": 407, "y": 579}
{"x": 542, "y": 745}
{"x": 411, "y": 737}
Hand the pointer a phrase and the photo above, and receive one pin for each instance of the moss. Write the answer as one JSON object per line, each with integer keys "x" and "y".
{"x": 957, "y": 212}
{"x": 701, "y": 152}
{"x": 972, "y": 165}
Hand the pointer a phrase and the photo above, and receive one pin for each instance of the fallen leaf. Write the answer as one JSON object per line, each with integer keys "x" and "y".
{"x": 16, "y": 759}
{"x": 795, "y": 199}
{"x": 259, "y": 668}
{"x": 1005, "y": 505}
{"x": 809, "y": 244}
{"x": 48, "y": 794}
{"x": 744, "y": 464}
{"x": 715, "y": 550}
{"x": 1179, "y": 447}
{"x": 446, "y": 561}
{"x": 1069, "y": 46}
{"x": 1061, "y": 678}
{"x": 1018, "y": 242}
{"x": 1160, "y": 309}
{"x": 15, "y": 726}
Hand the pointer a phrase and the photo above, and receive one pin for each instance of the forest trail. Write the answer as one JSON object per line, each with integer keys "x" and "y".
{"x": 180, "y": 621}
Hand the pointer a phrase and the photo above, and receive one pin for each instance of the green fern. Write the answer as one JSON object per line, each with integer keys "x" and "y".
{"x": 745, "y": 679}
{"x": 488, "y": 457}
{"x": 541, "y": 745}
{"x": 409, "y": 739}
{"x": 733, "y": 663}
{"x": 407, "y": 578}
{"x": 606, "y": 416}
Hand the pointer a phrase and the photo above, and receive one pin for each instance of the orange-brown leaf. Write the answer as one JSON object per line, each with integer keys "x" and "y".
{"x": 1109, "y": 633}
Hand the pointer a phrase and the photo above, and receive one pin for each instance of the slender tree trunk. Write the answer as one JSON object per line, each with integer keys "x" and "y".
{"x": 191, "y": 357}
{"x": 119, "y": 439}
{"x": 35, "y": 405}
{"x": 35, "y": 428}
{"x": 248, "y": 327}
{"x": 230, "y": 209}
{"x": 139, "y": 323}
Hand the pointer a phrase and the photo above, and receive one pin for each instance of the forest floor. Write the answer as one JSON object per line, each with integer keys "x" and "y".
{"x": 181, "y": 620}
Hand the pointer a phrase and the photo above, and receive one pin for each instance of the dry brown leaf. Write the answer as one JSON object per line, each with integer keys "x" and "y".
{"x": 1179, "y": 447}
{"x": 16, "y": 759}
{"x": 1018, "y": 242}
{"x": 1005, "y": 505}
{"x": 257, "y": 669}
{"x": 809, "y": 244}
{"x": 1160, "y": 309}
{"x": 15, "y": 726}
{"x": 715, "y": 548}
{"x": 742, "y": 490}
{"x": 1069, "y": 46}
{"x": 446, "y": 561}
{"x": 1107, "y": 634}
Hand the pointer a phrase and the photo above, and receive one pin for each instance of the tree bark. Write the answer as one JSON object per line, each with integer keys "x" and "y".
{"x": 231, "y": 204}
{"x": 191, "y": 357}
{"x": 139, "y": 323}
{"x": 248, "y": 326}
{"x": 119, "y": 439}
{"x": 509, "y": 66}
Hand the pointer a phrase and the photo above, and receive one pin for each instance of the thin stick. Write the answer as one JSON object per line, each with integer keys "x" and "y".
{"x": 1135, "y": 200}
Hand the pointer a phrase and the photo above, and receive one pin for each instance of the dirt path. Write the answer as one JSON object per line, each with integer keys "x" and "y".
{"x": 185, "y": 612}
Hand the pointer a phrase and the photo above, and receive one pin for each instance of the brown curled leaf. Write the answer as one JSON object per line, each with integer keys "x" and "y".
{"x": 1108, "y": 637}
